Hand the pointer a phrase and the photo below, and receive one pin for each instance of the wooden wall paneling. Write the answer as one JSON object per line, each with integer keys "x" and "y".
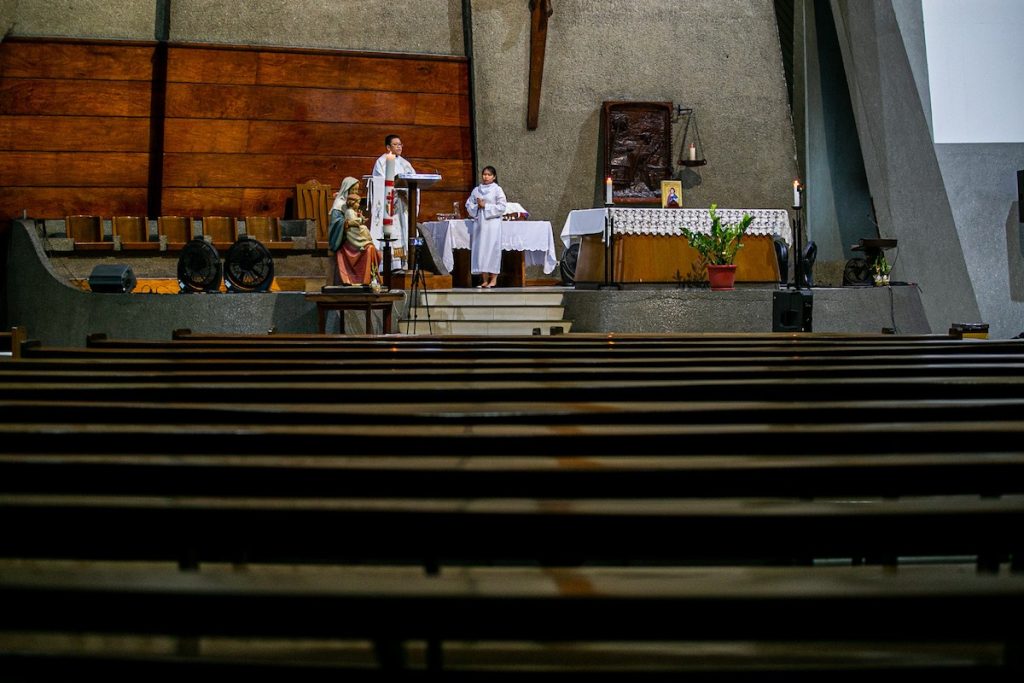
{"x": 74, "y": 127}
{"x": 201, "y": 100}
{"x": 74, "y": 133}
{"x": 300, "y": 137}
{"x": 58, "y": 97}
{"x": 285, "y": 170}
{"x": 73, "y": 169}
{"x": 243, "y": 125}
{"x": 57, "y": 202}
{"x": 263, "y": 120}
{"x": 227, "y": 201}
{"x": 342, "y": 70}
{"x": 79, "y": 60}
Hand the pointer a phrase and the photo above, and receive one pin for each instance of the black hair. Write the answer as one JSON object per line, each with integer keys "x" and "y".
{"x": 389, "y": 138}
{"x": 493, "y": 171}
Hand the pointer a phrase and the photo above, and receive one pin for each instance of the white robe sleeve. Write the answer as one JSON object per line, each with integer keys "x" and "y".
{"x": 497, "y": 209}
{"x": 471, "y": 207}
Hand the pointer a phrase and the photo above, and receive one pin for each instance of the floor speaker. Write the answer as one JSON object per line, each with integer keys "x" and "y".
{"x": 112, "y": 278}
{"x": 1020, "y": 196}
{"x": 791, "y": 310}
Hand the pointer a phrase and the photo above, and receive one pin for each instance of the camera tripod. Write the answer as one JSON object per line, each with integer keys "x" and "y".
{"x": 419, "y": 286}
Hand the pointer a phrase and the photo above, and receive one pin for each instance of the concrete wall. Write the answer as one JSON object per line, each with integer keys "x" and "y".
{"x": 721, "y": 57}
{"x": 424, "y": 26}
{"x": 900, "y": 161}
{"x": 952, "y": 206}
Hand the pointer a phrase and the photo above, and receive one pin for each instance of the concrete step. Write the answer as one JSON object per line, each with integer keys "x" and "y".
{"x": 493, "y": 297}
{"x": 525, "y": 311}
{"x": 484, "y": 327}
{"x": 486, "y": 313}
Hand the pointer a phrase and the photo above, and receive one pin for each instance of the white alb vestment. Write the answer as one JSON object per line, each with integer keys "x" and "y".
{"x": 377, "y": 203}
{"x": 485, "y": 230}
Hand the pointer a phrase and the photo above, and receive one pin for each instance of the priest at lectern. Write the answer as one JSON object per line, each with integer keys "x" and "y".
{"x": 399, "y": 227}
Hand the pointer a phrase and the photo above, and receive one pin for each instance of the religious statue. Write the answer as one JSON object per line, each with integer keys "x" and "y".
{"x": 350, "y": 239}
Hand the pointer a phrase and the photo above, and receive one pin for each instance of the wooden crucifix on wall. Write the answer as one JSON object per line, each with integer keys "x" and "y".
{"x": 540, "y": 11}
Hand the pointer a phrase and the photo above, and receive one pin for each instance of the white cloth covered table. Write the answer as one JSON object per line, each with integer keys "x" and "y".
{"x": 535, "y": 238}
{"x": 671, "y": 222}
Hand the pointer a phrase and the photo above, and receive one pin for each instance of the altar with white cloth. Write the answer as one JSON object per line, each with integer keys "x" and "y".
{"x": 649, "y": 244}
{"x": 530, "y": 243}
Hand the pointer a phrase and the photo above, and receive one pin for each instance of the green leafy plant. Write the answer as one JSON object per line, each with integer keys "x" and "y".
{"x": 881, "y": 265}
{"x": 719, "y": 247}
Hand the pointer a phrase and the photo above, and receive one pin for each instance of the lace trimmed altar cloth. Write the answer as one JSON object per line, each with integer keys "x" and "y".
{"x": 670, "y": 222}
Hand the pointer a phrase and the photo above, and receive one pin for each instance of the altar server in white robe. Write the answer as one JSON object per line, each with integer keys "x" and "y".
{"x": 486, "y": 205}
{"x": 393, "y": 145}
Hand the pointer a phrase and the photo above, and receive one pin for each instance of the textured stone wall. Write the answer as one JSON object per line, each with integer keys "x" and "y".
{"x": 721, "y": 57}
{"x": 424, "y": 26}
{"x": 123, "y": 20}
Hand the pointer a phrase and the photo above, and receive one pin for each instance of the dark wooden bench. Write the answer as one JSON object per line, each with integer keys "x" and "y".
{"x": 391, "y": 607}
{"x": 483, "y": 531}
{"x": 248, "y": 453}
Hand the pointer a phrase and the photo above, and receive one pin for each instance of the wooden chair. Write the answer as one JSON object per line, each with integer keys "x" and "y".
{"x": 133, "y": 232}
{"x": 86, "y": 231}
{"x": 313, "y": 201}
{"x": 176, "y": 229}
{"x": 266, "y": 229}
{"x": 222, "y": 230}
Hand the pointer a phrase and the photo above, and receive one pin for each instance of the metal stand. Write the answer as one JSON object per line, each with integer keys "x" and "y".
{"x": 799, "y": 263}
{"x": 419, "y": 286}
{"x": 386, "y": 256}
{"x": 609, "y": 251}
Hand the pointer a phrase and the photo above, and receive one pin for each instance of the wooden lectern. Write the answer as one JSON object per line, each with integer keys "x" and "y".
{"x": 414, "y": 182}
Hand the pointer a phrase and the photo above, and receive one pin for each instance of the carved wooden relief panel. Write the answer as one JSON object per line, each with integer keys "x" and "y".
{"x": 637, "y": 150}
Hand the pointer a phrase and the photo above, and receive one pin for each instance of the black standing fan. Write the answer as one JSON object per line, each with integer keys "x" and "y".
{"x": 568, "y": 264}
{"x": 248, "y": 266}
{"x": 199, "y": 268}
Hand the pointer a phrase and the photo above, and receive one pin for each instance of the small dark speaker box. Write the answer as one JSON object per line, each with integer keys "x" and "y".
{"x": 112, "y": 278}
{"x": 791, "y": 311}
{"x": 1020, "y": 196}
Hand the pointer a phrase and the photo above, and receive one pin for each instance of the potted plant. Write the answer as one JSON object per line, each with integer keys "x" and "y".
{"x": 880, "y": 270}
{"x": 718, "y": 248}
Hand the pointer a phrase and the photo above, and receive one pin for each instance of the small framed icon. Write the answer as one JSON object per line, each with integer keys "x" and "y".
{"x": 671, "y": 194}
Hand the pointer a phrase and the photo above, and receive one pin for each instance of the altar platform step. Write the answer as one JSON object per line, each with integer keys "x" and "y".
{"x": 513, "y": 311}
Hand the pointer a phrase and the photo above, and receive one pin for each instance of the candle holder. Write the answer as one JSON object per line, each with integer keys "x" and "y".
{"x": 801, "y": 276}
{"x": 609, "y": 251}
{"x": 386, "y": 257}
{"x": 690, "y": 117}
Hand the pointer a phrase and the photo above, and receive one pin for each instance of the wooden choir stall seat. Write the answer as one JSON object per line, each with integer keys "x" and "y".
{"x": 267, "y": 231}
{"x": 87, "y": 232}
{"x": 222, "y": 230}
{"x": 176, "y": 230}
{"x": 133, "y": 232}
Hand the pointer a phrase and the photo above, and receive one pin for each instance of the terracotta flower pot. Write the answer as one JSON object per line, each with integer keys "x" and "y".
{"x": 721, "y": 277}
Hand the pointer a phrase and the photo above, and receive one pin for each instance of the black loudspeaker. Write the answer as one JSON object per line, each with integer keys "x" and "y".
{"x": 1020, "y": 196}
{"x": 112, "y": 278}
{"x": 791, "y": 311}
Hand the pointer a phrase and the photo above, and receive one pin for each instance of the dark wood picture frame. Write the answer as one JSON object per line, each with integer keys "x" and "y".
{"x": 637, "y": 150}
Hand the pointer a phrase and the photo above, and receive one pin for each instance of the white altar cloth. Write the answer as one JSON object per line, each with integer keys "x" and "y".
{"x": 671, "y": 222}
{"x": 533, "y": 237}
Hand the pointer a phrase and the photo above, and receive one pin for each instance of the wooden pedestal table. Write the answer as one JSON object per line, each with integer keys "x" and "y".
{"x": 368, "y": 302}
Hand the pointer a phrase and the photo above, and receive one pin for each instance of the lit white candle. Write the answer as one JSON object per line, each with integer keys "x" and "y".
{"x": 796, "y": 194}
{"x": 389, "y": 193}
{"x": 608, "y": 190}
{"x": 693, "y": 152}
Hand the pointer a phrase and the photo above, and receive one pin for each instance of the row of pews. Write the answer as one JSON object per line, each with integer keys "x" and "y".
{"x": 719, "y": 506}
